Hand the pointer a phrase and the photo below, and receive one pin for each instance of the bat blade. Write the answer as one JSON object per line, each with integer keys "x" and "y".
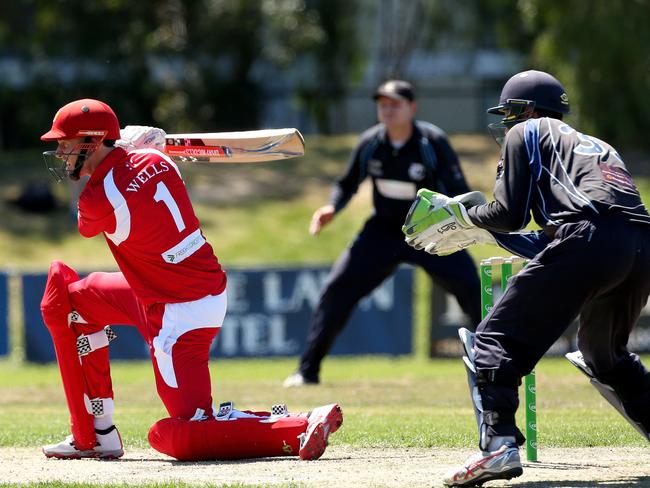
{"x": 235, "y": 147}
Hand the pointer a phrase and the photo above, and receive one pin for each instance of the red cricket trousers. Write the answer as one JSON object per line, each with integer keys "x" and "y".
{"x": 179, "y": 338}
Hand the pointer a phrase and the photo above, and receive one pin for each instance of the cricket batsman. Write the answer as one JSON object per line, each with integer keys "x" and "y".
{"x": 170, "y": 286}
{"x": 591, "y": 259}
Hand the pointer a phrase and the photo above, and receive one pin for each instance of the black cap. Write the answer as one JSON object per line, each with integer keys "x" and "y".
{"x": 396, "y": 89}
{"x": 536, "y": 86}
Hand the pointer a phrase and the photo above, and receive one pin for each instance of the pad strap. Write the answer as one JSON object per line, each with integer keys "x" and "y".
{"x": 91, "y": 342}
{"x": 99, "y": 407}
{"x": 490, "y": 417}
{"x": 75, "y": 316}
{"x": 226, "y": 409}
{"x": 497, "y": 377}
{"x": 279, "y": 410}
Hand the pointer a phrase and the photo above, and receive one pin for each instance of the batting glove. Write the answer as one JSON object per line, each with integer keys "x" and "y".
{"x": 141, "y": 137}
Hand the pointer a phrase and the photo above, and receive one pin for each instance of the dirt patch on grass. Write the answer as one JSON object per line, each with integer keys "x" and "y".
{"x": 340, "y": 467}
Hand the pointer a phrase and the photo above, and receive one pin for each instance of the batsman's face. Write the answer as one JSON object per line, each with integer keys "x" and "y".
{"x": 394, "y": 113}
{"x": 71, "y": 158}
{"x": 68, "y": 152}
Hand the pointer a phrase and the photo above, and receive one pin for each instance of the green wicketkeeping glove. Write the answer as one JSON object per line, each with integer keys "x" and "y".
{"x": 439, "y": 224}
{"x": 435, "y": 211}
{"x": 427, "y": 209}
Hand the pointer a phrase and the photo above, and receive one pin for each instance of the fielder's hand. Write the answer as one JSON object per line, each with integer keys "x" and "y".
{"x": 141, "y": 137}
{"x": 439, "y": 224}
{"x": 321, "y": 218}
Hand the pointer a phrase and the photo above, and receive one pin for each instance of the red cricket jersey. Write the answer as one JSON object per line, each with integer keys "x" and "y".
{"x": 140, "y": 203}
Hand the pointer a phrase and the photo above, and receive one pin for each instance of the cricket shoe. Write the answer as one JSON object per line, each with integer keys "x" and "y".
{"x": 109, "y": 446}
{"x": 323, "y": 421}
{"x": 501, "y": 464}
{"x": 297, "y": 379}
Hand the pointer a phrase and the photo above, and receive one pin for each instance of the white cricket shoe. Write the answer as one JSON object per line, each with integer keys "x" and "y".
{"x": 109, "y": 446}
{"x": 501, "y": 464}
{"x": 323, "y": 421}
{"x": 296, "y": 380}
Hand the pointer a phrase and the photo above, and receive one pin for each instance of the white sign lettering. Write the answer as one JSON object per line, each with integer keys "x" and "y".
{"x": 256, "y": 334}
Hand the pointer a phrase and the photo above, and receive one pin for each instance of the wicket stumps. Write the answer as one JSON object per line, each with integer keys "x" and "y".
{"x": 505, "y": 267}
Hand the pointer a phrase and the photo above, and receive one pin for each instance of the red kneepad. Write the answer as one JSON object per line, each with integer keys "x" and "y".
{"x": 55, "y": 304}
{"x": 246, "y": 438}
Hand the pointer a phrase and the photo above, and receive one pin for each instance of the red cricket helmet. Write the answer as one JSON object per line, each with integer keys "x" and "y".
{"x": 84, "y": 118}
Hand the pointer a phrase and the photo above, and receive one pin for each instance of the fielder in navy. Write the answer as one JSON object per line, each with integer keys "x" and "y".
{"x": 593, "y": 262}
{"x": 400, "y": 155}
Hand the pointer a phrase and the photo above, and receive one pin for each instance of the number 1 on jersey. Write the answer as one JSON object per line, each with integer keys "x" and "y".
{"x": 162, "y": 195}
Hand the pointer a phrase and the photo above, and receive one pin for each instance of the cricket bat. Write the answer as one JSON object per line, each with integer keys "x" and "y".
{"x": 235, "y": 147}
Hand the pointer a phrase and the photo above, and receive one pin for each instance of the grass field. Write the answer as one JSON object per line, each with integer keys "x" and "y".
{"x": 429, "y": 398}
{"x": 256, "y": 215}
{"x": 389, "y": 403}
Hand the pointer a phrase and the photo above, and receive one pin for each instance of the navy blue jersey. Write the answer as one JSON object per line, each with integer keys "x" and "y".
{"x": 550, "y": 170}
{"x": 426, "y": 160}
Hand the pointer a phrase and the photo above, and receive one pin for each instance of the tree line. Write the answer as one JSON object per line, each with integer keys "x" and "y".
{"x": 189, "y": 65}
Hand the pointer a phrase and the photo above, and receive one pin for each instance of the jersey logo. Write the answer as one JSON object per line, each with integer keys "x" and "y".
{"x": 617, "y": 177}
{"x": 185, "y": 248}
{"x": 417, "y": 171}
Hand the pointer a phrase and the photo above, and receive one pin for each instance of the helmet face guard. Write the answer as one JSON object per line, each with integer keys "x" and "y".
{"x": 56, "y": 162}
{"x": 513, "y": 111}
{"x": 498, "y": 132}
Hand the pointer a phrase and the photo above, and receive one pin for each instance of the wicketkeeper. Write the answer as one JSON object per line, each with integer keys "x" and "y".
{"x": 591, "y": 258}
{"x": 170, "y": 286}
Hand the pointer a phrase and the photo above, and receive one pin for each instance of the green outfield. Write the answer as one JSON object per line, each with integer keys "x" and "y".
{"x": 388, "y": 402}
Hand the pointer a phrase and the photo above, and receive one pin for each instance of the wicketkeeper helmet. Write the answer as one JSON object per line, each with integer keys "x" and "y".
{"x": 527, "y": 91}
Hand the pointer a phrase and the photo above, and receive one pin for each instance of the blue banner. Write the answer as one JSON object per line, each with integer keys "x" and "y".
{"x": 268, "y": 315}
{"x": 4, "y": 314}
{"x": 269, "y": 312}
